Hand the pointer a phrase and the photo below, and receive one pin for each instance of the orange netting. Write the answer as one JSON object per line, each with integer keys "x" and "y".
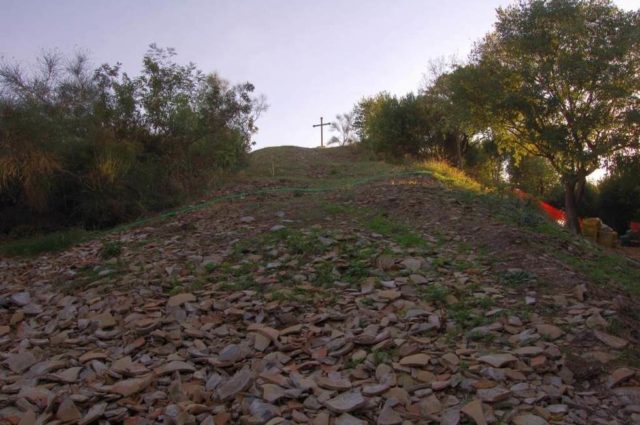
{"x": 551, "y": 211}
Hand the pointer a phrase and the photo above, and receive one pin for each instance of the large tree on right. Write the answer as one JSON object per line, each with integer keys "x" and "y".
{"x": 559, "y": 79}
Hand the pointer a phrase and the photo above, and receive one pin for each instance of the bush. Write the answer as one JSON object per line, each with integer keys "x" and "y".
{"x": 96, "y": 147}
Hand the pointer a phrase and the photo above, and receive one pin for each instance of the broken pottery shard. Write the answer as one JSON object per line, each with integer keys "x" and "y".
{"x": 175, "y": 366}
{"x": 346, "y": 402}
{"x": 178, "y": 300}
{"x": 29, "y": 418}
{"x": 450, "y": 417}
{"x": 67, "y": 411}
{"x": 388, "y": 416}
{"x": 417, "y": 360}
{"x": 498, "y": 360}
{"x": 272, "y": 393}
{"x": 618, "y": 376}
{"x": 334, "y": 383}
{"x": 95, "y": 412}
{"x": 610, "y": 340}
{"x": 492, "y": 395}
{"x": 474, "y": 411}
{"x": 19, "y": 362}
{"x": 129, "y": 387}
{"x": 238, "y": 383}
{"x": 549, "y": 331}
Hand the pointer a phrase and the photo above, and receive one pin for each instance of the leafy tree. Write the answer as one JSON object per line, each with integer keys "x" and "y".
{"x": 559, "y": 79}
{"x": 412, "y": 125}
{"x": 344, "y": 126}
{"x": 532, "y": 174}
{"x": 620, "y": 192}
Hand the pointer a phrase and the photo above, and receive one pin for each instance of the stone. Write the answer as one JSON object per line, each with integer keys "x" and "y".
{"x": 239, "y": 382}
{"x": 179, "y": 299}
{"x": 529, "y": 419}
{"x": 346, "y": 402}
{"x": 611, "y": 340}
{"x": 21, "y": 299}
{"x": 347, "y": 419}
{"x": 474, "y": 411}
{"x": 498, "y": 360}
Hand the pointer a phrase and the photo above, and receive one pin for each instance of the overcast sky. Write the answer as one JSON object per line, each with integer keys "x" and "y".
{"x": 310, "y": 58}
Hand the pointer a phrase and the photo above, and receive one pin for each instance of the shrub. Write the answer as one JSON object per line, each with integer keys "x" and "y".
{"x": 96, "y": 147}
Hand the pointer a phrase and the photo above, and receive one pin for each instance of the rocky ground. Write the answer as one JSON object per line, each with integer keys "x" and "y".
{"x": 394, "y": 303}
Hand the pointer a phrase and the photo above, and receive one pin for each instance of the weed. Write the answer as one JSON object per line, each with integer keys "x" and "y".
{"x": 110, "y": 250}
{"x": 353, "y": 363}
{"x": 399, "y": 233}
{"x": 516, "y": 277}
{"x": 367, "y": 302}
{"x": 380, "y": 356}
{"x": 50, "y": 242}
{"x": 434, "y": 293}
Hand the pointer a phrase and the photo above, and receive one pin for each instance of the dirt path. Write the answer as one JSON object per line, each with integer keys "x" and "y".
{"x": 394, "y": 303}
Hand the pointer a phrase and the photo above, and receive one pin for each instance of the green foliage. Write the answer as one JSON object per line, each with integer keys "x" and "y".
{"x": 110, "y": 250}
{"x": 558, "y": 79}
{"x": 411, "y": 125}
{"x": 533, "y": 175}
{"x": 96, "y": 147}
{"x": 620, "y": 193}
{"x": 399, "y": 233}
{"x": 51, "y": 242}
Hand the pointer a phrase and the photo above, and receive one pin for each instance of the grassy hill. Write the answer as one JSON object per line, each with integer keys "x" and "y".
{"x": 320, "y": 286}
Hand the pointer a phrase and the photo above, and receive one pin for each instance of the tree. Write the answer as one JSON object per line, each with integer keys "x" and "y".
{"x": 343, "y": 125}
{"x": 533, "y": 174}
{"x": 559, "y": 79}
{"x": 620, "y": 192}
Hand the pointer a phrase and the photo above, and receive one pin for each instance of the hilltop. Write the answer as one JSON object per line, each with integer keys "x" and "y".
{"x": 321, "y": 286}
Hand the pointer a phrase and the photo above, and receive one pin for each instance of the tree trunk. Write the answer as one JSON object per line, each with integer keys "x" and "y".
{"x": 571, "y": 206}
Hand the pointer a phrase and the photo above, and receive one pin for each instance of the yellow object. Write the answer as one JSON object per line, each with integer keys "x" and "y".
{"x": 591, "y": 228}
{"x": 608, "y": 238}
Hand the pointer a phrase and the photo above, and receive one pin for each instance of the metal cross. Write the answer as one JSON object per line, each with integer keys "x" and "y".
{"x": 321, "y": 125}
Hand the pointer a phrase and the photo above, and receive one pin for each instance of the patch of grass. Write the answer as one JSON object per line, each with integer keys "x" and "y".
{"x": 434, "y": 293}
{"x": 51, "y": 242}
{"x": 110, "y": 250}
{"x": 399, "y": 233}
{"x": 450, "y": 175}
{"x": 352, "y": 364}
{"x": 606, "y": 269}
{"x": 516, "y": 277}
{"x": 380, "y": 356}
{"x": 486, "y": 337}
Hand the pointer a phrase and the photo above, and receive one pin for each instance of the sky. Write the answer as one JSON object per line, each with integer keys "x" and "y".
{"x": 309, "y": 58}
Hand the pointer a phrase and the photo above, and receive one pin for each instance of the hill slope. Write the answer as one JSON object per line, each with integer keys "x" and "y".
{"x": 323, "y": 288}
